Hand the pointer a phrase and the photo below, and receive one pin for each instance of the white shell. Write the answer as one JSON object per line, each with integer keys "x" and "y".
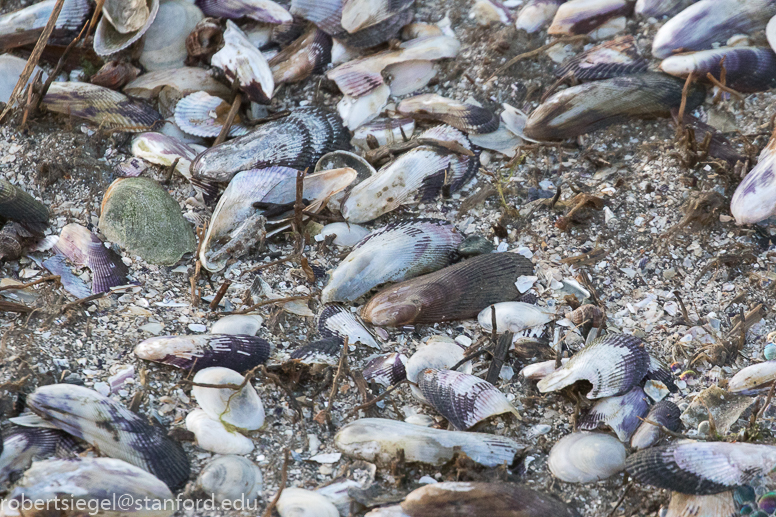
{"x": 108, "y": 40}
{"x": 575, "y": 12}
{"x": 11, "y": 68}
{"x": 410, "y": 76}
{"x": 385, "y": 131}
{"x": 770, "y": 33}
{"x": 345, "y": 234}
{"x": 755, "y": 198}
{"x": 357, "y": 111}
{"x": 240, "y": 59}
{"x": 336, "y": 320}
{"x": 242, "y": 324}
{"x": 126, "y": 15}
{"x": 164, "y": 150}
{"x": 585, "y": 457}
{"x": 242, "y": 409}
{"x": 514, "y": 317}
{"x": 165, "y": 41}
{"x": 201, "y": 114}
{"x": 620, "y": 413}
{"x": 536, "y": 14}
{"x": 212, "y": 436}
{"x": 297, "y": 502}
{"x": 440, "y": 353}
{"x": 753, "y": 376}
{"x": 231, "y": 478}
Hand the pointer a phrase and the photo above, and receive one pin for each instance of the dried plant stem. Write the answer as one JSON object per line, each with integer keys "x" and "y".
{"x": 283, "y": 481}
{"x": 668, "y": 431}
{"x": 621, "y": 499}
{"x": 537, "y": 51}
{"x": 324, "y": 416}
{"x": 269, "y": 302}
{"x": 229, "y": 119}
{"x": 220, "y": 294}
{"x": 50, "y": 278}
{"x": 81, "y": 301}
{"x": 377, "y": 399}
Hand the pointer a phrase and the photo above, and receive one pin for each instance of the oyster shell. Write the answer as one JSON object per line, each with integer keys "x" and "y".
{"x": 334, "y": 320}
{"x": 83, "y": 248}
{"x": 380, "y": 439}
{"x": 747, "y": 69}
{"x": 660, "y": 8}
{"x": 310, "y": 54}
{"x": 622, "y": 413}
{"x": 236, "y": 352}
{"x": 584, "y": 457}
{"x": 108, "y": 40}
{"x": 241, "y": 409}
{"x": 243, "y": 62}
{"x": 297, "y": 502}
{"x": 584, "y": 16}
{"x": 385, "y": 131}
{"x": 439, "y": 352}
{"x": 454, "y": 293}
{"x": 164, "y": 44}
{"x": 716, "y": 505}
{"x": 466, "y": 117}
{"x": 753, "y": 378}
{"x": 523, "y": 319}
{"x": 610, "y": 59}
{"x": 265, "y": 11}
{"x": 231, "y": 478}
{"x": 24, "y": 27}
{"x": 755, "y": 197}
{"x": 537, "y": 14}
{"x": 323, "y": 351}
{"x": 201, "y": 114}
{"x": 387, "y": 369}
{"x": 23, "y": 445}
{"x": 345, "y": 234}
{"x": 17, "y": 205}
{"x": 213, "y": 436}
{"x": 665, "y": 413}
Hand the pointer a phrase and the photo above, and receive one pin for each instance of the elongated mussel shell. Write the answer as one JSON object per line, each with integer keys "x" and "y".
{"x": 454, "y": 293}
{"x": 202, "y": 114}
{"x": 265, "y": 11}
{"x": 241, "y": 409}
{"x": 715, "y": 505}
{"x": 701, "y": 468}
{"x": 537, "y": 14}
{"x": 243, "y": 62}
{"x": 387, "y": 369}
{"x": 610, "y": 59}
{"x": 396, "y": 252}
{"x": 584, "y": 16}
{"x": 113, "y": 429}
{"x": 306, "y": 56}
{"x": 380, "y": 439}
{"x": 231, "y": 478}
{"x": 753, "y": 379}
{"x": 755, "y": 197}
{"x": 613, "y": 364}
{"x": 23, "y": 445}
{"x": 660, "y": 8}
{"x": 747, "y": 69}
{"x": 19, "y": 206}
{"x": 709, "y": 21}
{"x": 622, "y": 413}
{"x": 84, "y": 248}
{"x": 335, "y": 320}
{"x": 466, "y": 117}
{"x": 110, "y": 40}
{"x": 665, "y": 413}
{"x": 322, "y": 351}
{"x": 584, "y": 457}
{"x": 588, "y": 107}
{"x": 236, "y": 352}
{"x": 25, "y": 26}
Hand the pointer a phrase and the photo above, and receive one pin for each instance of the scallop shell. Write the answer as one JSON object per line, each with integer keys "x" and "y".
{"x": 660, "y": 8}
{"x": 387, "y": 369}
{"x": 241, "y": 409}
{"x": 58, "y": 265}
{"x": 537, "y": 14}
{"x": 755, "y": 197}
{"x": 17, "y": 205}
{"x": 335, "y": 320}
{"x": 243, "y": 62}
{"x": 753, "y": 379}
{"x": 386, "y": 131}
{"x": 454, "y": 293}
{"x": 83, "y": 248}
{"x": 665, "y": 413}
{"x": 716, "y": 505}
{"x": 201, "y": 114}
{"x": 466, "y": 117}
{"x": 108, "y": 40}
{"x": 523, "y": 319}
{"x": 584, "y": 16}
{"x": 211, "y": 435}
{"x": 231, "y": 478}
{"x": 592, "y": 106}
{"x": 23, "y": 445}
{"x": 747, "y": 69}
{"x": 380, "y": 439}
{"x": 24, "y": 27}
{"x": 238, "y": 324}
{"x": 139, "y": 215}
{"x": 345, "y": 234}
{"x": 585, "y": 457}
{"x": 195, "y": 353}
{"x": 113, "y": 429}
{"x": 265, "y": 11}
{"x": 296, "y": 502}
{"x": 701, "y": 468}
{"x": 323, "y": 351}
{"x": 614, "y": 58}
{"x": 309, "y": 54}
{"x": 622, "y": 413}
{"x": 164, "y": 44}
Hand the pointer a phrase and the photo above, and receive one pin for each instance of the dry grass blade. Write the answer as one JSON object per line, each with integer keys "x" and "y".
{"x": 283, "y": 481}
{"x": 50, "y": 278}
{"x": 535, "y": 52}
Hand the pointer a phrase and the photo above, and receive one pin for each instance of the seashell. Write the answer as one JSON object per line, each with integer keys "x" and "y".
{"x": 23, "y": 445}
{"x": 108, "y": 40}
{"x": 508, "y": 137}
{"x": 770, "y": 33}
{"x": 297, "y": 141}
{"x": 112, "y": 429}
{"x": 523, "y": 319}
{"x": 360, "y": 14}
{"x": 613, "y": 364}
{"x": 241, "y": 409}
{"x": 538, "y": 371}
{"x": 755, "y": 197}
{"x": 660, "y": 8}
{"x": 386, "y": 369}
{"x": 584, "y": 16}
{"x": 57, "y": 265}
{"x": 380, "y": 439}
{"x": 585, "y": 457}
{"x": 658, "y": 371}
{"x": 587, "y": 314}
{"x": 164, "y": 150}
{"x": 488, "y": 12}
{"x": 420, "y": 30}
{"x": 164, "y": 44}
{"x": 701, "y": 468}
{"x": 139, "y": 215}
{"x": 456, "y": 292}
{"x": 345, "y": 234}
{"x": 14, "y": 240}
{"x": 195, "y": 353}
{"x": 11, "y": 68}
{"x": 387, "y": 131}
{"x": 710, "y": 21}
{"x": 83, "y": 248}
{"x": 463, "y": 399}
{"x": 238, "y": 324}
{"x": 610, "y": 59}
{"x": 204, "y": 40}
{"x": 231, "y": 478}
{"x": 296, "y": 502}
{"x": 747, "y": 69}
{"x": 753, "y": 379}
{"x": 17, "y": 205}
{"x": 665, "y": 413}
{"x": 265, "y": 11}
{"x": 334, "y": 320}
{"x": 100, "y": 106}
{"x": 439, "y": 352}
{"x": 310, "y": 54}
{"x": 73, "y": 484}
{"x": 115, "y": 74}
{"x": 356, "y": 111}
{"x": 716, "y": 505}
{"x": 126, "y": 15}
{"x": 410, "y": 76}
{"x": 622, "y": 414}
{"x": 396, "y": 252}
{"x": 201, "y": 114}
{"x": 243, "y": 62}
{"x": 588, "y": 107}
{"x": 537, "y": 14}
{"x": 325, "y": 15}
{"x": 213, "y": 436}
{"x": 323, "y": 351}
{"x": 475, "y": 245}
{"x": 169, "y": 86}
{"x": 24, "y": 27}
{"x": 466, "y": 117}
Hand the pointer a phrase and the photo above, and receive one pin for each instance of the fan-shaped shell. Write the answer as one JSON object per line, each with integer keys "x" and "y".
{"x": 23, "y": 445}
{"x": 164, "y": 44}
{"x": 108, "y": 40}
{"x": 585, "y": 457}
{"x": 439, "y": 352}
{"x": 265, "y": 11}
{"x": 716, "y": 505}
{"x": 236, "y": 324}
{"x": 665, "y": 413}
{"x": 335, "y": 320}
{"x": 515, "y": 317}
{"x": 19, "y": 206}
{"x": 195, "y": 353}
{"x": 323, "y": 351}
{"x": 84, "y": 248}
{"x": 126, "y": 15}
{"x": 296, "y": 502}
{"x": 622, "y": 413}
{"x": 231, "y": 478}
{"x": 201, "y": 114}
{"x": 345, "y": 234}
{"x": 466, "y": 117}
{"x": 387, "y": 369}
{"x": 242, "y": 409}
{"x": 755, "y": 197}
{"x": 212, "y": 436}
{"x": 360, "y": 14}
{"x": 747, "y": 69}
{"x": 243, "y": 62}
{"x": 25, "y": 26}
{"x": 752, "y": 378}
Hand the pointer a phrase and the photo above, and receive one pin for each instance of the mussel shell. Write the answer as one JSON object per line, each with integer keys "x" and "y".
{"x": 323, "y": 351}
{"x": 25, "y": 26}
{"x": 592, "y": 106}
{"x": 310, "y": 54}
{"x": 297, "y": 502}
{"x": 584, "y": 16}
{"x": 23, "y": 445}
{"x": 753, "y": 378}
{"x": 454, "y": 293}
{"x": 243, "y": 62}
{"x": 660, "y": 8}
{"x": 613, "y": 58}
{"x": 164, "y": 44}
{"x": 537, "y": 14}
{"x": 241, "y": 409}
{"x": 622, "y": 414}
{"x": 466, "y": 117}
{"x": 84, "y": 248}
{"x": 236, "y": 352}
{"x": 108, "y": 40}
{"x": 665, "y": 413}
{"x": 360, "y": 14}
{"x": 19, "y": 206}
{"x": 755, "y": 197}
{"x": 716, "y": 505}
{"x": 335, "y": 320}
{"x": 201, "y": 114}
{"x": 584, "y": 457}
{"x": 387, "y": 369}
{"x": 213, "y": 436}
{"x": 747, "y": 69}
{"x": 260, "y": 10}
{"x": 231, "y": 478}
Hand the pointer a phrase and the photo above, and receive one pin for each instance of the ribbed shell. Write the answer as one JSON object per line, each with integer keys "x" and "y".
{"x": 585, "y": 457}
{"x": 57, "y": 265}
{"x": 463, "y": 399}
{"x": 613, "y": 58}
{"x": 658, "y": 371}
{"x": 24, "y": 26}
{"x": 19, "y": 206}
{"x": 466, "y": 117}
{"x": 323, "y": 351}
{"x": 454, "y": 293}
{"x": 747, "y": 69}
{"x": 83, "y": 248}
{"x": 591, "y": 106}
{"x": 380, "y": 439}
{"x": 108, "y": 40}
{"x": 335, "y": 320}
{"x": 701, "y": 468}
{"x": 665, "y": 413}
{"x": 201, "y": 114}
{"x": 399, "y": 251}
{"x": 236, "y": 352}
{"x": 297, "y": 141}
{"x": 309, "y": 54}
{"x": 620, "y": 413}
{"x": 613, "y": 364}
{"x": 164, "y": 150}
{"x": 243, "y": 62}
{"x": 660, "y": 8}
{"x": 386, "y": 369}
{"x": 260, "y": 10}
{"x": 584, "y": 16}
{"x": 360, "y": 14}
{"x": 113, "y": 429}
{"x": 23, "y": 445}
{"x": 461, "y": 169}
{"x": 716, "y": 505}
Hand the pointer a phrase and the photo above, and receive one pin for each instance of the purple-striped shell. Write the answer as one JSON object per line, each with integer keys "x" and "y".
{"x": 755, "y": 197}
{"x": 469, "y": 118}
{"x": 109, "y": 40}
{"x": 747, "y": 69}
{"x": 309, "y": 54}
{"x": 83, "y": 248}
{"x": 322, "y": 351}
{"x": 660, "y": 8}
{"x": 243, "y": 62}
{"x": 659, "y": 371}
{"x": 613, "y": 58}
{"x": 24, "y": 26}
{"x": 621, "y": 413}
{"x": 236, "y": 352}
{"x": 665, "y": 413}
{"x": 585, "y": 457}
{"x": 386, "y": 369}
{"x": 201, "y": 114}
{"x": 57, "y": 265}
{"x": 23, "y": 445}
{"x": 265, "y": 11}
{"x": 584, "y": 16}
{"x": 335, "y": 320}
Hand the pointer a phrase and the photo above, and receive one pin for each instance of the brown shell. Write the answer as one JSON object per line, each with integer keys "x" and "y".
{"x": 13, "y": 239}
{"x": 456, "y": 292}
{"x": 206, "y": 39}
{"x": 588, "y": 314}
{"x": 309, "y": 54}
{"x": 115, "y": 74}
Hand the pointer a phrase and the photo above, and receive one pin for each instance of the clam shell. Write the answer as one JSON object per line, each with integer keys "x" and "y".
{"x": 396, "y": 252}
{"x": 709, "y": 21}
{"x": 716, "y": 505}
{"x": 231, "y": 478}
{"x": 588, "y": 107}
{"x": 454, "y": 293}
{"x": 701, "y": 468}
{"x": 753, "y": 378}
{"x": 241, "y": 409}
{"x": 665, "y": 413}
{"x": 212, "y": 436}
{"x": 11, "y": 68}
{"x": 747, "y": 69}
{"x": 164, "y": 150}
{"x": 755, "y": 197}
{"x": 113, "y": 429}
{"x": 380, "y": 439}
{"x": 585, "y": 457}
{"x": 100, "y": 106}
{"x": 164, "y": 44}
{"x": 463, "y": 399}
{"x": 386, "y": 369}
{"x": 236, "y": 352}
{"x": 83, "y": 248}
{"x": 265, "y": 11}
{"x": 243, "y": 62}
{"x": 386, "y": 131}
{"x": 620, "y": 413}
{"x": 537, "y": 14}
{"x": 356, "y": 111}
{"x": 439, "y": 352}
{"x": 613, "y": 364}
{"x": 115, "y": 74}
{"x": 108, "y": 40}
{"x": 201, "y": 114}
{"x": 25, "y": 26}
{"x": 17, "y": 205}
{"x": 334, "y": 320}
{"x": 538, "y": 371}
{"x": 23, "y": 445}
{"x": 310, "y": 54}
{"x": 238, "y": 324}
{"x": 169, "y": 86}
{"x": 323, "y": 351}
{"x": 139, "y": 215}
{"x": 521, "y": 318}
{"x": 660, "y": 8}
{"x": 57, "y": 265}
{"x": 410, "y": 76}
{"x": 770, "y": 33}
{"x": 345, "y": 234}
{"x": 360, "y": 14}
{"x": 126, "y": 15}
{"x": 326, "y": 14}
{"x": 584, "y": 16}
{"x": 466, "y": 117}
{"x": 613, "y": 58}
{"x": 296, "y": 502}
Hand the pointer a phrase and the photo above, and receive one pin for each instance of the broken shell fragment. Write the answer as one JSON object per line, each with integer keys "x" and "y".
{"x": 753, "y": 379}
{"x": 265, "y": 11}
{"x": 338, "y": 321}
{"x": 126, "y": 15}
{"x": 238, "y": 324}
{"x": 231, "y": 478}
{"x": 241, "y": 409}
{"x": 386, "y": 131}
{"x": 356, "y": 111}
{"x": 83, "y": 248}
{"x": 664, "y": 413}
{"x": 380, "y": 439}
{"x": 201, "y": 114}
{"x": 164, "y": 44}
{"x": 386, "y": 369}
{"x": 466, "y": 117}
{"x": 523, "y": 319}
{"x": 169, "y": 86}
{"x": 243, "y": 62}
{"x": 716, "y": 505}
{"x": 585, "y": 457}
{"x": 622, "y": 414}
{"x": 439, "y": 352}
{"x": 306, "y": 56}
{"x": 587, "y": 314}
{"x": 23, "y": 27}
{"x": 213, "y": 436}
{"x": 23, "y": 445}
{"x": 297, "y": 502}
{"x": 410, "y": 76}
{"x": 345, "y": 234}
{"x": 109, "y": 40}
{"x": 537, "y": 14}
{"x": 755, "y": 197}
{"x": 324, "y": 351}
{"x": 11, "y": 68}
{"x": 17, "y": 205}
{"x": 195, "y": 353}
{"x": 584, "y": 16}
{"x": 614, "y": 58}
{"x": 360, "y": 14}
{"x": 747, "y": 69}
{"x": 164, "y": 150}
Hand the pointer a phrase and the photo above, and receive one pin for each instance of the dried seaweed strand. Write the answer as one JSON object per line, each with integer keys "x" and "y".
{"x": 324, "y": 416}
{"x": 283, "y": 481}
{"x": 621, "y": 499}
{"x": 50, "y": 278}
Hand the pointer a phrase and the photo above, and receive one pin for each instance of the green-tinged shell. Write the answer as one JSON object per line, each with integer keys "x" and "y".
{"x": 139, "y": 215}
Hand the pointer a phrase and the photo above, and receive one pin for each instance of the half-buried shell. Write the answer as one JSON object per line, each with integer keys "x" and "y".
{"x": 83, "y": 248}
{"x": 386, "y": 131}
{"x": 23, "y": 27}
{"x": 622, "y": 414}
{"x": 195, "y": 353}
{"x": 387, "y": 369}
{"x": 335, "y": 320}
{"x": 585, "y": 457}
{"x": 613, "y": 58}
{"x": 439, "y": 352}
{"x": 297, "y": 502}
{"x": 753, "y": 379}
{"x": 716, "y": 505}
{"x": 17, "y": 205}
{"x": 323, "y": 351}
{"x": 360, "y": 14}
{"x": 265, "y": 11}
{"x": 537, "y": 14}
{"x": 242, "y": 409}
{"x": 466, "y": 117}
{"x": 243, "y": 62}
{"x": 201, "y": 114}
{"x": 231, "y": 478}
{"x": 23, "y": 445}
{"x": 584, "y": 16}
{"x": 523, "y": 319}
{"x": 660, "y": 8}
{"x": 664, "y": 413}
